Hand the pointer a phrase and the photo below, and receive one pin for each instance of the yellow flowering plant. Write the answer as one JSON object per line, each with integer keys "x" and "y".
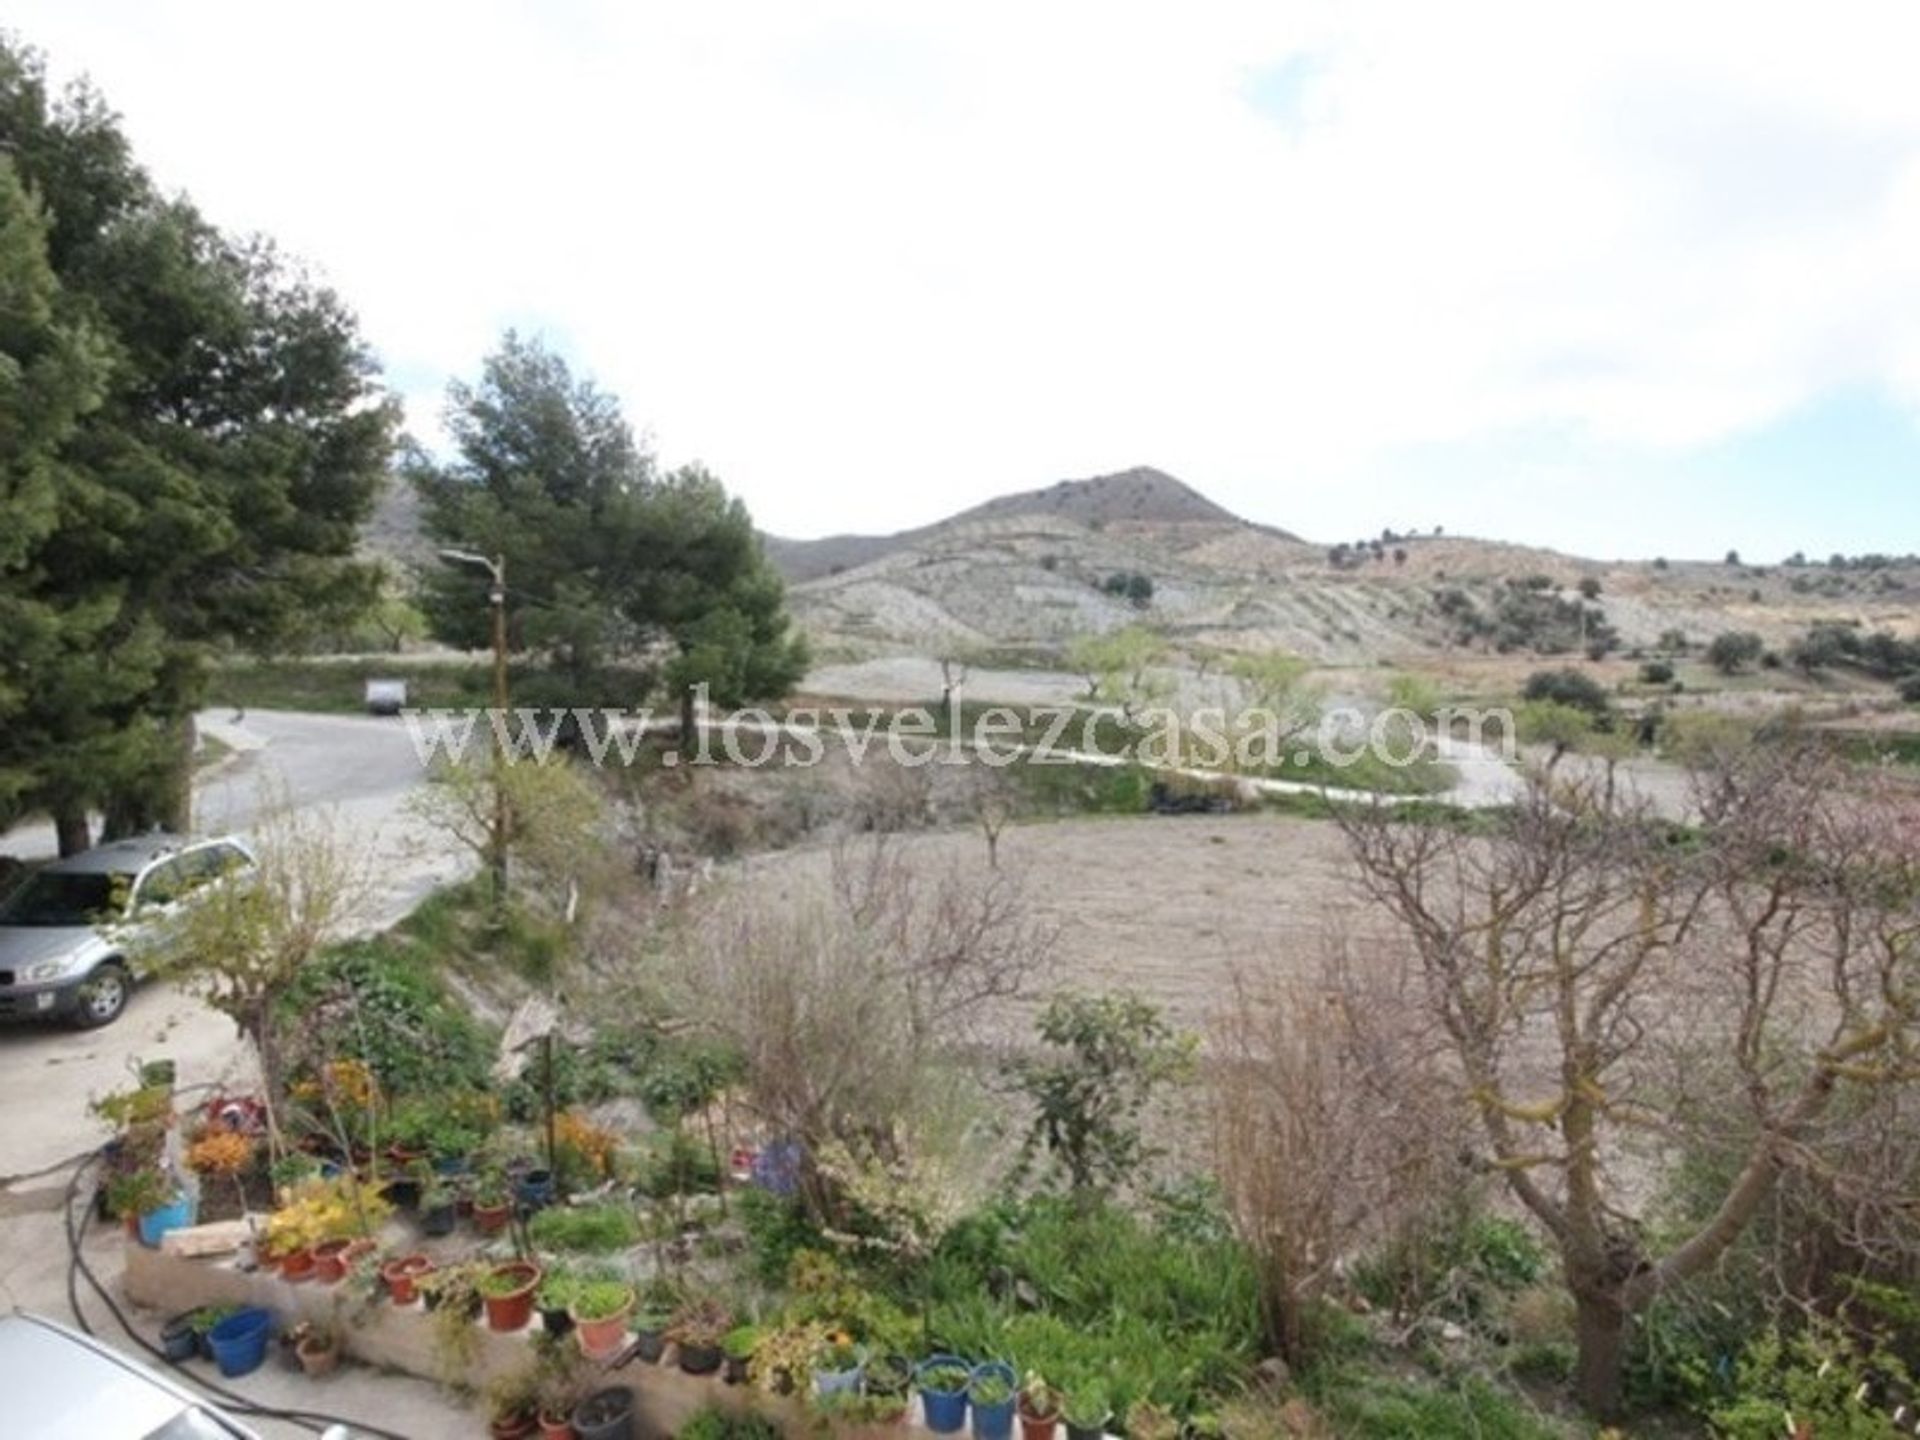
{"x": 318, "y": 1210}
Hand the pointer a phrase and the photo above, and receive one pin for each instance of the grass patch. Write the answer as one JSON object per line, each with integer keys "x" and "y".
{"x": 585, "y": 1230}
{"x": 1369, "y": 1404}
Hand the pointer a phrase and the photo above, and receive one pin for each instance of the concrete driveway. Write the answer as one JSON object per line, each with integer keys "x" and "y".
{"x": 361, "y": 772}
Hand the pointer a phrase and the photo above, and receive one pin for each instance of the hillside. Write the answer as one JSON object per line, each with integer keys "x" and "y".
{"x": 1026, "y": 571}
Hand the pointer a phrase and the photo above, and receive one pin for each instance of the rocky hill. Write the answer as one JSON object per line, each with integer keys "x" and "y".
{"x": 1031, "y": 570}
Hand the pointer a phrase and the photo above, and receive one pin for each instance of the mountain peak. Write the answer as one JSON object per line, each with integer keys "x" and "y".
{"x": 1142, "y": 494}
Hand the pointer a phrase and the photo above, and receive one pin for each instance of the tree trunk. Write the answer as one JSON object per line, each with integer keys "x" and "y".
{"x": 1600, "y": 1332}
{"x": 72, "y": 829}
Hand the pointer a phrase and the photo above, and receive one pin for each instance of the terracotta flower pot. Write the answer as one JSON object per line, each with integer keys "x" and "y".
{"x": 297, "y": 1265}
{"x": 512, "y": 1427}
{"x": 513, "y": 1310}
{"x": 1037, "y": 1427}
{"x": 401, "y": 1274}
{"x": 599, "y": 1339}
{"x": 492, "y": 1219}
{"x": 330, "y": 1261}
{"x": 555, "y": 1427}
{"x": 318, "y": 1357}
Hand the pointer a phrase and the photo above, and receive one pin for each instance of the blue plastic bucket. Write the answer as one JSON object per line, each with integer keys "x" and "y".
{"x": 240, "y": 1341}
{"x": 993, "y": 1422}
{"x": 155, "y": 1223}
{"x": 946, "y": 1410}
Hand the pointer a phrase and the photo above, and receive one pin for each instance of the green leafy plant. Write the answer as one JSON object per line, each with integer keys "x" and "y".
{"x": 1109, "y": 1054}
{"x": 1086, "y": 1405}
{"x": 946, "y": 1379}
{"x": 990, "y": 1389}
{"x": 601, "y": 1299}
{"x": 588, "y": 1229}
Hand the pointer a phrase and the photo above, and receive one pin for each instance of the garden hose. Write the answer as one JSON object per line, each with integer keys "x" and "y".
{"x": 315, "y": 1420}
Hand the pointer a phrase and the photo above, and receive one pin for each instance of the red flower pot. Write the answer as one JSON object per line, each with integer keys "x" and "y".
{"x": 514, "y": 1427}
{"x": 330, "y": 1261}
{"x": 492, "y": 1219}
{"x": 555, "y": 1427}
{"x": 400, "y": 1275}
{"x": 297, "y": 1266}
{"x": 1033, "y": 1428}
{"x": 513, "y": 1310}
{"x": 599, "y": 1339}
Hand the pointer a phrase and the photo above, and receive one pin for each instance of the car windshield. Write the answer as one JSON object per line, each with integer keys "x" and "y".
{"x": 57, "y": 897}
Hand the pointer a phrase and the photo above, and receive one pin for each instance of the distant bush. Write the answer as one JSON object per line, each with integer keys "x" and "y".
{"x": 1130, "y": 585}
{"x": 1656, "y": 672}
{"x": 1734, "y": 650}
{"x": 1910, "y": 689}
{"x": 1572, "y": 688}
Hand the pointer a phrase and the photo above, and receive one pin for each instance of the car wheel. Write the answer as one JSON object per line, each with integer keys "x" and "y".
{"x": 102, "y": 996}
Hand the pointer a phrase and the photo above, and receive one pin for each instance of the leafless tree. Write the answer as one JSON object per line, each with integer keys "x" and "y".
{"x": 992, "y": 800}
{"x": 842, "y": 1000}
{"x": 1584, "y": 957}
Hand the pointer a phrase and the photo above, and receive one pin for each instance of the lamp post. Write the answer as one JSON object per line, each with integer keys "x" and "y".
{"x": 496, "y": 570}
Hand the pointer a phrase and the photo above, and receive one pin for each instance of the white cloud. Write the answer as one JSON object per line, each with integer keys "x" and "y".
{"x": 872, "y": 262}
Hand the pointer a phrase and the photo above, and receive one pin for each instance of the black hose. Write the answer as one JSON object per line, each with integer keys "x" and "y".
{"x": 314, "y": 1420}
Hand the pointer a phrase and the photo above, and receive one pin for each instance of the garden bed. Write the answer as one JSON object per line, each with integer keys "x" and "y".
{"x": 403, "y": 1338}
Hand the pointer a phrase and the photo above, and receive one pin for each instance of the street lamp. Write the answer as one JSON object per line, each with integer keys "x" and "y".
{"x": 496, "y": 570}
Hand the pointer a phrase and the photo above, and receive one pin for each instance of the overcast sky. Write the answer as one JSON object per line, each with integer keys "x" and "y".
{"x": 1628, "y": 281}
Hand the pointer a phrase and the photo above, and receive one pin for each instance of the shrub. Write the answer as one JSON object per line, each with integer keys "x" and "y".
{"x": 1110, "y": 1053}
{"x": 1734, "y": 650}
{"x": 587, "y": 1230}
{"x": 1656, "y": 672}
{"x": 1910, "y": 690}
{"x": 1822, "y": 1381}
{"x": 1572, "y": 688}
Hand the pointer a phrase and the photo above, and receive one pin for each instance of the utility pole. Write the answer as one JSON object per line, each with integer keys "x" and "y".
{"x": 496, "y": 569}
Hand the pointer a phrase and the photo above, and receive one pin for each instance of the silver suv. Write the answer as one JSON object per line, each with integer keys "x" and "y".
{"x": 70, "y": 935}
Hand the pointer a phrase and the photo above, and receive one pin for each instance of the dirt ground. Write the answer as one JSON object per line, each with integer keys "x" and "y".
{"x": 1171, "y": 906}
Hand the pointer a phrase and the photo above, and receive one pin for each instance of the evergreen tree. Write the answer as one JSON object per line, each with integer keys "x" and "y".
{"x": 606, "y": 558}
{"x": 212, "y": 495}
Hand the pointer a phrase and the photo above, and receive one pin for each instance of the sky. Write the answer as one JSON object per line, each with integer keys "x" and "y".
{"x": 1627, "y": 280}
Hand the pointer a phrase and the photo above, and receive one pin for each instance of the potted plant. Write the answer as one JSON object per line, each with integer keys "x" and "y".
{"x": 330, "y": 1260}
{"x": 203, "y": 1320}
{"x": 990, "y": 1396}
{"x": 600, "y": 1308}
{"x": 1147, "y": 1420}
{"x": 1038, "y": 1408}
{"x": 552, "y": 1298}
{"x": 437, "y": 1209}
{"x": 650, "y": 1322}
{"x": 1086, "y": 1409}
{"x": 837, "y": 1365}
{"x": 513, "y": 1408}
{"x": 178, "y": 1339}
{"x": 605, "y": 1415}
{"x": 738, "y": 1345}
{"x": 491, "y": 1206}
{"x": 888, "y": 1375}
{"x": 508, "y": 1292}
{"x": 318, "y": 1347}
{"x": 452, "y": 1287}
{"x": 400, "y": 1276}
{"x": 696, "y": 1329}
{"x": 943, "y": 1392}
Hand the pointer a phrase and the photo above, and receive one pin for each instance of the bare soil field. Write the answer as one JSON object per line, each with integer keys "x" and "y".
{"x": 1168, "y": 906}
